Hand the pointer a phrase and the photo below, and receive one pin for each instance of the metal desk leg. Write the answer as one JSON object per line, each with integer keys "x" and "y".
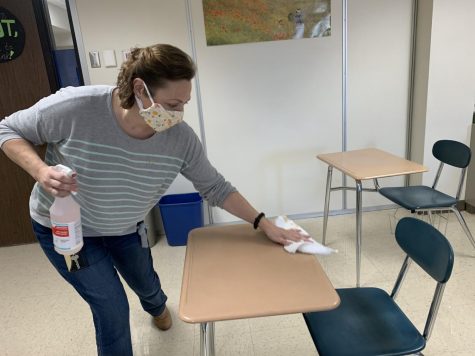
{"x": 327, "y": 203}
{"x": 359, "y": 204}
{"x": 207, "y": 339}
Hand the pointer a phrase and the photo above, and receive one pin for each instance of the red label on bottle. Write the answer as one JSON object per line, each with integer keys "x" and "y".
{"x": 61, "y": 231}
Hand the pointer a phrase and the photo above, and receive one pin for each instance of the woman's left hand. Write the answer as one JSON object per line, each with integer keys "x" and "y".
{"x": 237, "y": 205}
{"x": 279, "y": 235}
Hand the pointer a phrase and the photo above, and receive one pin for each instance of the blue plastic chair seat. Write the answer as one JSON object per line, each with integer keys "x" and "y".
{"x": 367, "y": 322}
{"x": 418, "y": 197}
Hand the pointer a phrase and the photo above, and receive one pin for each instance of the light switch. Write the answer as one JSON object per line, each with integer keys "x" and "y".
{"x": 95, "y": 59}
{"x": 125, "y": 54}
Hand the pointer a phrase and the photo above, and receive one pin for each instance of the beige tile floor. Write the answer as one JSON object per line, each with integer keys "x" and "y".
{"x": 41, "y": 315}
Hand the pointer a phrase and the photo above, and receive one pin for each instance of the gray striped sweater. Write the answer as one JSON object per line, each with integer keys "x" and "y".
{"x": 120, "y": 178}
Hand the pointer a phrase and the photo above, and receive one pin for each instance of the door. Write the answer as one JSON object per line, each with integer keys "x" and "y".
{"x": 23, "y": 81}
{"x": 64, "y": 46}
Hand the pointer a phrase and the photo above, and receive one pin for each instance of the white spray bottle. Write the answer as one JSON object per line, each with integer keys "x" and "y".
{"x": 65, "y": 216}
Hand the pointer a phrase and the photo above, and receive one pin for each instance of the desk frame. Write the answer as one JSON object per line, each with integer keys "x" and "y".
{"x": 347, "y": 162}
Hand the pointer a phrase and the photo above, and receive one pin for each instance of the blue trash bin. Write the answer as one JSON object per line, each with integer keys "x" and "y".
{"x": 180, "y": 214}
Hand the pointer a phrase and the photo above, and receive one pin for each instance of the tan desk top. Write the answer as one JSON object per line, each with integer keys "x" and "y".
{"x": 234, "y": 272}
{"x": 370, "y": 163}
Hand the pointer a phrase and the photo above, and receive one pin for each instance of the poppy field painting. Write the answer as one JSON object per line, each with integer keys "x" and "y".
{"x": 243, "y": 21}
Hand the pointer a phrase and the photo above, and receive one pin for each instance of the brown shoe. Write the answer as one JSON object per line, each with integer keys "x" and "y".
{"x": 164, "y": 320}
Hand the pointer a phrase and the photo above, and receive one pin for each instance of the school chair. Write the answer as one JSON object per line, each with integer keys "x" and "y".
{"x": 422, "y": 198}
{"x": 368, "y": 321}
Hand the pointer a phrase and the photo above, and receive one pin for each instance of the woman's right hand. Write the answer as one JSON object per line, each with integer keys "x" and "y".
{"x": 56, "y": 182}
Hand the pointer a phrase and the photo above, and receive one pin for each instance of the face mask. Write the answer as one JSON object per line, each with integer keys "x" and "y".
{"x": 156, "y": 116}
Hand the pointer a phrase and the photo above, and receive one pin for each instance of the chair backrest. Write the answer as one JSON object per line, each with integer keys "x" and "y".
{"x": 455, "y": 154}
{"x": 426, "y": 246}
{"x": 452, "y": 152}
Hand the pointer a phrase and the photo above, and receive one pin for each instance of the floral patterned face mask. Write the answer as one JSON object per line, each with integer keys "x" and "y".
{"x": 156, "y": 116}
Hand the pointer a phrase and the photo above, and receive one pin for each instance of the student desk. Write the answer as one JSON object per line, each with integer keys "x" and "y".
{"x": 369, "y": 163}
{"x": 235, "y": 272}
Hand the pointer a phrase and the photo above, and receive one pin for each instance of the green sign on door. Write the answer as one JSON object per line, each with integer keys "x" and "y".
{"x": 12, "y": 36}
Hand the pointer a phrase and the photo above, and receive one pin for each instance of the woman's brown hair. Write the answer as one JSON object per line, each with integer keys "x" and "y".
{"x": 155, "y": 65}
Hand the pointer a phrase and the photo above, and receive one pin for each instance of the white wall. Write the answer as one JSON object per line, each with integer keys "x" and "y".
{"x": 379, "y": 33}
{"x": 451, "y": 92}
{"x": 269, "y": 108}
{"x": 280, "y": 104}
{"x": 450, "y": 85}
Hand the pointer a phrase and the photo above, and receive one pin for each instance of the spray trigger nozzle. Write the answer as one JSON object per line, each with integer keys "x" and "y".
{"x": 66, "y": 170}
{"x": 62, "y": 168}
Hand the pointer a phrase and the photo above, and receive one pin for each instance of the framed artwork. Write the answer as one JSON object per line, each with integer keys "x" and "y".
{"x": 233, "y": 22}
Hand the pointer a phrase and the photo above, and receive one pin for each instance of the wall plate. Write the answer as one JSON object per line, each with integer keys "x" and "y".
{"x": 108, "y": 55}
{"x": 95, "y": 59}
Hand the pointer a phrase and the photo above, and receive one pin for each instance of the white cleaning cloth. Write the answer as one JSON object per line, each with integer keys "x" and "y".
{"x": 310, "y": 247}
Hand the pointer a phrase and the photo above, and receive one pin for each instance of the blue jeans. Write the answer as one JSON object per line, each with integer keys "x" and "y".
{"x": 99, "y": 284}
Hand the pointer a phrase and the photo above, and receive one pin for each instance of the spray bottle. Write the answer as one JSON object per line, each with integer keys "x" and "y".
{"x": 65, "y": 216}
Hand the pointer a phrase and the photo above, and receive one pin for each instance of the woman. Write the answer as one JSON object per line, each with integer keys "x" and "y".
{"x": 126, "y": 144}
